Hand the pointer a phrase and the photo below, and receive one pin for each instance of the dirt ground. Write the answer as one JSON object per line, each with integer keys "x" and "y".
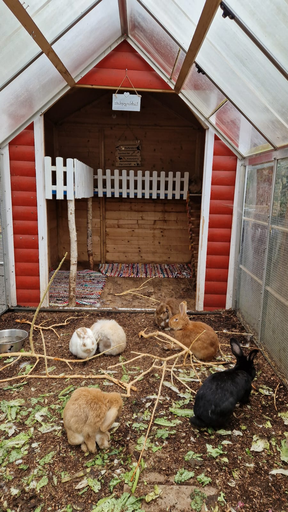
{"x": 240, "y": 468}
{"x": 148, "y": 294}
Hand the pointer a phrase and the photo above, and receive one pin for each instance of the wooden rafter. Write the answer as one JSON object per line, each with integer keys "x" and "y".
{"x": 205, "y": 20}
{"x": 123, "y": 17}
{"x": 27, "y": 22}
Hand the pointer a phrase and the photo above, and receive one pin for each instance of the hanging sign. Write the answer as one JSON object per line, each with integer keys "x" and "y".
{"x": 126, "y": 101}
{"x": 128, "y": 153}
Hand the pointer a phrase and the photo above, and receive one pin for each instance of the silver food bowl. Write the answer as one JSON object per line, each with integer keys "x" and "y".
{"x": 11, "y": 340}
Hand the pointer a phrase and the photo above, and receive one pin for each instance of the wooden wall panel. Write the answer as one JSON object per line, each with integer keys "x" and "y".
{"x": 53, "y": 256}
{"x": 220, "y": 222}
{"x": 25, "y": 219}
{"x": 136, "y": 231}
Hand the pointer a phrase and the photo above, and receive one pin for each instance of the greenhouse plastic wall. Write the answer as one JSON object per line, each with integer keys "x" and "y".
{"x": 263, "y": 266}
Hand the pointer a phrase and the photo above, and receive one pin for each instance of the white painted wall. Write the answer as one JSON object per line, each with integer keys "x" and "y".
{"x": 7, "y": 228}
{"x": 204, "y": 222}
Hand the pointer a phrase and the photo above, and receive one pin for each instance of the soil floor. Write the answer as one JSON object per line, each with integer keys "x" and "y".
{"x": 147, "y": 293}
{"x": 240, "y": 468}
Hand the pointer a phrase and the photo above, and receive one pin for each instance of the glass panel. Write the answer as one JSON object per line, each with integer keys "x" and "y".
{"x": 247, "y": 77}
{"x": 179, "y": 17}
{"x": 33, "y": 88}
{"x": 238, "y": 130}
{"x": 258, "y": 192}
{"x": 268, "y": 21}
{"x": 202, "y": 92}
{"x": 84, "y": 42}
{"x": 151, "y": 37}
{"x": 17, "y": 47}
{"x": 280, "y": 202}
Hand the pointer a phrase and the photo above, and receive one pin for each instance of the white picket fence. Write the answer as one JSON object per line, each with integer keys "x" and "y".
{"x": 78, "y": 178}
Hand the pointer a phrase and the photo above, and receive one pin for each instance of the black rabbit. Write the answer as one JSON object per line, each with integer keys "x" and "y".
{"x": 216, "y": 399}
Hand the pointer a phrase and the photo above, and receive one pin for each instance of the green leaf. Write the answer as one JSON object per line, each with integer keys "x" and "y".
{"x": 140, "y": 426}
{"x": 42, "y": 483}
{"x": 94, "y": 484}
{"x": 166, "y": 423}
{"x": 163, "y": 433}
{"x": 284, "y": 416}
{"x": 284, "y": 450}
{"x": 214, "y": 452}
{"x": 114, "y": 482}
{"x": 198, "y": 498}
{"x": 153, "y": 495}
{"x": 182, "y": 475}
{"x": 47, "y": 458}
{"x": 259, "y": 444}
{"x": 187, "y": 413}
{"x": 192, "y": 455}
{"x": 67, "y": 390}
{"x": 204, "y": 480}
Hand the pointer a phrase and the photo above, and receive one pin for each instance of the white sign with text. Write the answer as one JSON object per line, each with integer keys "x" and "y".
{"x": 126, "y": 101}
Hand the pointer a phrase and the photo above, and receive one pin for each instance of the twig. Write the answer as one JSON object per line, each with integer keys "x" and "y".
{"x": 152, "y": 418}
{"x": 44, "y": 350}
{"x": 130, "y": 384}
{"x": 41, "y": 302}
{"x": 6, "y": 366}
{"x": 275, "y": 396}
{"x": 51, "y": 327}
{"x": 133, "y": 289}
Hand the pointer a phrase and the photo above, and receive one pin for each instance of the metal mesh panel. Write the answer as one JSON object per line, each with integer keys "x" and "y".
{"x": 249, "y": 300}
{"x": 254, "y": 242}
{"x": 254, "y": 239}
{"x": 275, "y": 300}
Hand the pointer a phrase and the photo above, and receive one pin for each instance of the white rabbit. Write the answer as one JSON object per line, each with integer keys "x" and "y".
{"x": 109, "y": 334}
{"x": 83, "y": 343}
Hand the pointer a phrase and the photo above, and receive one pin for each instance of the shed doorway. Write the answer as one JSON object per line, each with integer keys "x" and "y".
{"x": 129, "y": 229}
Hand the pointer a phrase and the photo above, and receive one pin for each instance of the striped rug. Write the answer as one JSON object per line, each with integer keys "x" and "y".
{"x": 89, "y": 285}
{"x": 176, "y": 270}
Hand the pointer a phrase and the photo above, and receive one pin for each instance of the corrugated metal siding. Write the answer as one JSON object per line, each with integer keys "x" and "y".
{"x": 25, "y": 221}
{"x": 111, "y": 71}
{"x": 220, "y": 223}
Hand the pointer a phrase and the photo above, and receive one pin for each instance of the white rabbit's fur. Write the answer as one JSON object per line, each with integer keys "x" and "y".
{"x": 109, "y": 334}
{"x": 83, "y": 343}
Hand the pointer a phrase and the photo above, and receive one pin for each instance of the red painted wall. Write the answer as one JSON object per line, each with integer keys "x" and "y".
{"x": 25, "y": 221}
{"x": 220, "y": 224}
{"x": 110, "y": 71}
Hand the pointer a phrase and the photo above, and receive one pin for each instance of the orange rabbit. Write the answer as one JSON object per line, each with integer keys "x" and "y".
{"x": 206, "y": 345}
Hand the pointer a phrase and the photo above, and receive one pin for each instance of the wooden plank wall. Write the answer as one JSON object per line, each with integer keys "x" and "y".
{"x": 220, "y": 224}
{"x": 25, "y": 219}
{"x": 169, "y": 142}
{"x": 135, "y": 230}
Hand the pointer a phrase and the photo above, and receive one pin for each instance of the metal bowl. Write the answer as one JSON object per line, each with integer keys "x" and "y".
{"x": 11, "y": 340}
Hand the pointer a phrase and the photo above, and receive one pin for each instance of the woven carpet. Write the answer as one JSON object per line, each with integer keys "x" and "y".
{"x": 89, "y": 285}
{"x": 146, "y": 270}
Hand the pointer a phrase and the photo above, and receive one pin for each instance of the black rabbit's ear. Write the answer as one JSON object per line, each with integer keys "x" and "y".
{"x": 235, "y": 347}
{"x": 253, "y": 354}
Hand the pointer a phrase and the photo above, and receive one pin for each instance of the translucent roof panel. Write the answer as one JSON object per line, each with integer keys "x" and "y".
{"x": 268, "y": 21}
{"x": 17, "y": 47}
{"x": 149, "y": 35}
{"x": 202, "y": 92}
{"x": 23, "y": 97}
{"x": 91, "y": 36}
{"x": 179, "y": 17}
{"x": 247, "y": 77}
{"x": 238, "y": 130}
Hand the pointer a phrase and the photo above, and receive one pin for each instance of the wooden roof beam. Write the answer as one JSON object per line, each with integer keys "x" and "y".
{"x": 27, "y": 22}
{"x": 205, "y": 20}
{"x": 122, "y": 4}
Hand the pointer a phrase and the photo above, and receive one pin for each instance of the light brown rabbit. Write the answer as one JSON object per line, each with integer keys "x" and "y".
{"x": 164, "y": 311}
{"x": 88, "y": 416}
{"x": 206, "y": 345}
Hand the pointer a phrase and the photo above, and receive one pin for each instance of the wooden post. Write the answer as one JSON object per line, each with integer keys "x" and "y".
{"x": 102, "y": 202}
{"x": 89, "y": 232}
{"x": 73, "y": 251}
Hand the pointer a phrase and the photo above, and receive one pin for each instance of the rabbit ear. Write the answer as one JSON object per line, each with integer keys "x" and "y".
{"x": 253, "y": 354}
{"x": 235, "y": 347}
{"x": 183, "y": 307}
